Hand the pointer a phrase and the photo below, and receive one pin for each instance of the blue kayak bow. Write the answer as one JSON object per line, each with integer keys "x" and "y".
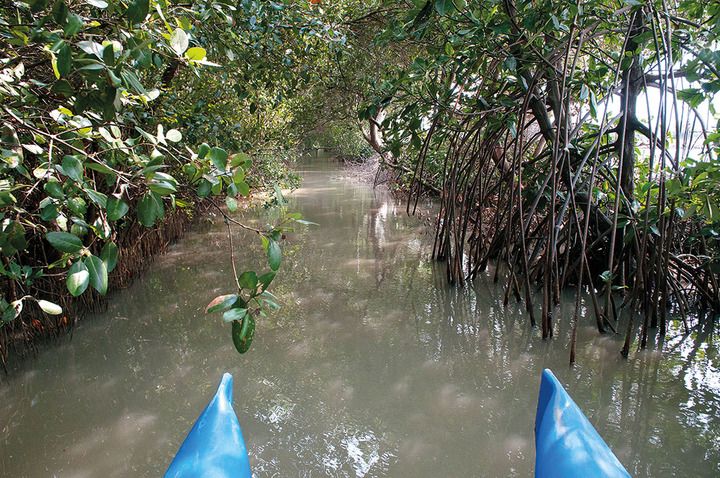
{"x": 566, "y": 444}
{"x": 214, "y": 448}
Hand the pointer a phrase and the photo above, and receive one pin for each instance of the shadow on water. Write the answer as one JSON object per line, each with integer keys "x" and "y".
{"x": 373, "y": 366}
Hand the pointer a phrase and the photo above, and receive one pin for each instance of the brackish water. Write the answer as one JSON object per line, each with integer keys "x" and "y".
{"x": 373, "y": 367}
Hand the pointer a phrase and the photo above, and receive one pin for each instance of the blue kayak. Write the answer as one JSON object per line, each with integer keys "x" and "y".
{"x": 214, "y": 448}
{"x": 566, "y": 444}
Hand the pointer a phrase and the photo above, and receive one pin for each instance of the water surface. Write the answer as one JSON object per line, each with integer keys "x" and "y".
{"x": 373, "y": 367}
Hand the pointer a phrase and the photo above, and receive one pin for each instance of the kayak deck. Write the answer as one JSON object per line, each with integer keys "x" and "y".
{"x": 214, "y": 448}
{"x": 566, "y": 443}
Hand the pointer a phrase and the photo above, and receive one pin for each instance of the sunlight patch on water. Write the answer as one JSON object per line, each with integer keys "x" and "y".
{"x": 280, "y": 411}
{"x": 364, "y": 452}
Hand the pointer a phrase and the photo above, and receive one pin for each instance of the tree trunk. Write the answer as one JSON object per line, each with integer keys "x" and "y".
{"x": 632, "y": 87}
{"x": 374, "y": 137}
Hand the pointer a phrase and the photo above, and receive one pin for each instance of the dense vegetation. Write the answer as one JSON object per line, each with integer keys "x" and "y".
{"x": 573, "y": 144}
{"x": 570, "y": 143}
{"x": 118, "y": 116}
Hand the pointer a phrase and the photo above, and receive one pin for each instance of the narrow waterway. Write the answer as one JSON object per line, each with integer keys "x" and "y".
{"x": 373, "y": 367}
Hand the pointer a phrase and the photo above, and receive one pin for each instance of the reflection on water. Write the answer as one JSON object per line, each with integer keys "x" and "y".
{"x": 372, "y": 368}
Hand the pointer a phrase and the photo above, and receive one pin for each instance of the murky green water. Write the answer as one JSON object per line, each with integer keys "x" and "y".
{"x": 373, "y": 367}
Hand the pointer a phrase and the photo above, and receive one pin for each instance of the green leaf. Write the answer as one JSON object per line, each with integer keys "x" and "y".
{"x": 274, "y": 254}
{"x": 266, "y": 279}
{"x": 559, "y": 26}
{"x": 152, "y": 139}
{"x": 221, "y": 303}
{"x": 444, "y": 6}
{"x": 238, "y": 174}
{"x": 50, "y": 308}
{"x": 109, "y": 256}
{"x": 593, "y": 105}
{"x": 607, "y": 276}
{"x": 179, "y": 41}
{"x": 64, "y": 60}
{"x": 231, "y": 203}
{"x": 54, "y": 189}
{"x": 97, "y": 3}
{"x": 74, "y": 24}
{"x": 243, "y": 333}
{"x": 48, "y": 212}
{"x": 510, "y": 63}
{"x": 150, "y": 209}
{"x": 64, "y": 88}
{"x": 584, "y": 92}
{"x": 131, "y": 80}
{"x": 163, "y": 184}
{"x": 269, "y": 300}
{"x": 77, "y": 205}
{"x": 100, "y": 168}
{"x": 60, "y": 12}
{"x": 78, "y": 279}
{"x": 116, "y": 208}
{"x": 138, "y": 10}
{"x": 97, "y": 197}
{"x": 692, "y": 96}
{"x": 204, "y": 188}
{"x": 218, "y": 156}
{"x": 72, "y": 167}
{"x": 248, "y": 280}
{"x": 234, "y": 314}
{"x": 12, "y": 239}
{"x": 98, "y": 274}
{"x": 37, "y": 5}
{"x": 146, "y": 211}
{"x": 92, "y": 48}
{"x": 196, "y": 54}
{"x": 240, "y": 159}
{"x": 203, "y": 150}
{"x": 11, "y": 311}
{"x": 64, "y": 241}
{"x": 243, "y": 188}
{"x": 79, "y": 229}
{"x": 174, "y": 135}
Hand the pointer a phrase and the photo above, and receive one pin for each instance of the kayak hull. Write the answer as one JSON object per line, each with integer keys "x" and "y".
{"x": 566, "y": 443}
{"x": 214, "y": 447}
